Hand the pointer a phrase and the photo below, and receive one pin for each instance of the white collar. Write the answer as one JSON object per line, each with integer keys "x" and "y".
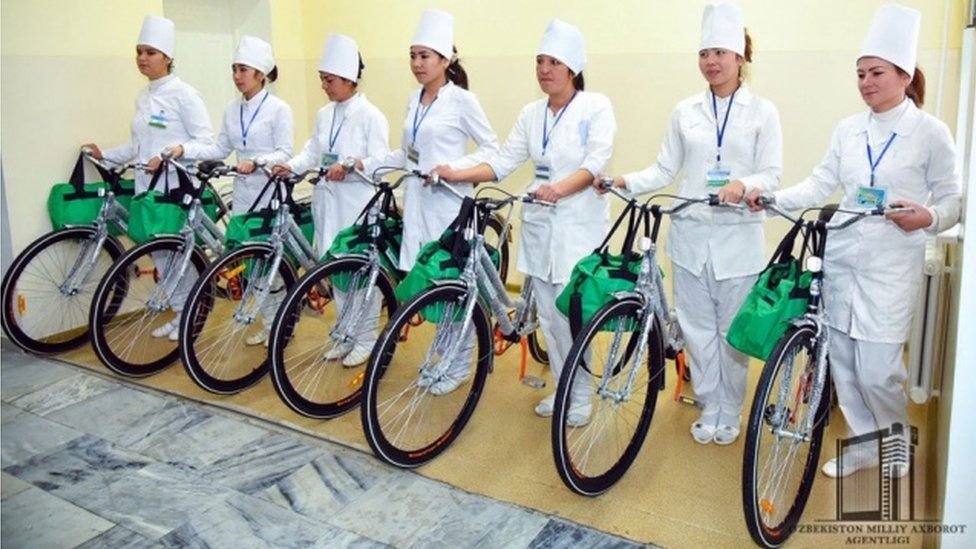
{"x": 160, "y": 82}
{"x": 256, "y": 100}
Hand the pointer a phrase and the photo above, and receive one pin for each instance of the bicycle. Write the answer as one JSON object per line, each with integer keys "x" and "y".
{"x": 140, "y": 293}
{"x": 792, "y": 402}
{"x": 47, "y": 289}
{"x": 615, "y": 368}
{"x": 416, "y": 402}
{"x": 335, "y": 310}
{"x": 220, "y": 338}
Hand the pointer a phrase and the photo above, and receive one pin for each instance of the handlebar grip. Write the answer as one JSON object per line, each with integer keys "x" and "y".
{"x": 606, "y": 183}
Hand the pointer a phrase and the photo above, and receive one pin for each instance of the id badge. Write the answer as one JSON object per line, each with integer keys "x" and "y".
{"x": 542, "y": 172}
{"x": 158, "y": 120}
{"x": 328, "y": 159}
{"x": 413, "y": 155}
{"x": 717, "y": 177}
{"x": 871, "y": 197}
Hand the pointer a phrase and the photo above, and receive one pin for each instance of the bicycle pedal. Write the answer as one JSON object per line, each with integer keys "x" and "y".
{"x": 534, "y": 382}
{"x": 689, "y": 401}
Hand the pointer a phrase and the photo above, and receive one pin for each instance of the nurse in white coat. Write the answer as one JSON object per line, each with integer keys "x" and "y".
{"x": 349, "y": 126}
{"x": 726, "y": 140}
{"x": 873, "y": 269}
{"x": 258, "y": 126}
{"x": 169, "y": 112}
{"x": 441, "y": 118}
{"x": 568, "y": 136}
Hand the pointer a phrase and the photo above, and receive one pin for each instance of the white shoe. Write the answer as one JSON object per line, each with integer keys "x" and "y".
{"x": 448, "y": 385}
{"x": 579, "y": 416}
{"x": 545, "y": 406}
{"x": 358, "y": 355}
{"x": 338, "y": 351}
{"x": 167, "y": 330}
{"x": 258, "y": 338}
{"x": 852, "y": 464}
{"x": 702, "y": 432}
{"x": 174, "y": 335}
{"x": 725, "y": 434}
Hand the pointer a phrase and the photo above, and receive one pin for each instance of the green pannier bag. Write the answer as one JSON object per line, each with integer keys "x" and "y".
{"x": 442, "y": 259}
{"x": 599, "y": 276}
{"x": 78, "y": 203}
{"x": 256, "y": 225}
{"x": 155, "y": 213}
{"x": 781, "y": 294}
{"x": 356, "y": 239}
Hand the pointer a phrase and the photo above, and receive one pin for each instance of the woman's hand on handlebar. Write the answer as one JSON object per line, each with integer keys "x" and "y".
{"x": 732, "y": 192}
{"x": 752, "y": 200}
{"x": 548, "y": 193}
{"x": 93, "y": 149}
{"x": 245, "y": 167}
{"x": 913, "y": 219}
{"x": 337, "y": 172}
{"x": 618, "y": 183}
{"x": 445, "y": 172}
{"x": 280, "y": 170}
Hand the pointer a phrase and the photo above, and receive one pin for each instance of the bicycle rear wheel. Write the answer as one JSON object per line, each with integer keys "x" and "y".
{"x": 39, "y": 314}
{"x": 781, "y": 457}
{"x": 405, "y": 421}
{"x": 603, "y": 379}
{"x": 332, "y": 315}
{"x": 227, "y": 307}
{"x": 131, "y": 302}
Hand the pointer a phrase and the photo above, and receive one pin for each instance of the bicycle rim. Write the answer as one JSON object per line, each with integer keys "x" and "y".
{"x": 406, "y": 423}
{"x": 323, "y": 334}
{"x": 780, "y": 468}
{"x": 604, "y": 381}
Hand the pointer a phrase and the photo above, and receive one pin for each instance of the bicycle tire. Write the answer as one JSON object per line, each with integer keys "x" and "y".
{"x": 388, "y": 369}
{"x": 220, "y": 316}
{"x": 310, "y": 381}
{"x": 761, "y": 419}
{"x": 577, "y": 450}
{"x": 537, "y": 347}
{"x": 69, "y": 312}
{"x": 116, "y": 338}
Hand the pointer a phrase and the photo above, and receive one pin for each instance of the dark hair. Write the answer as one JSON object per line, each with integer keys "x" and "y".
{"x": 916, "y": 89}
{"x": 578, "y": 81}
{"x": 747, "y": 55}
{"x": 273, "y": 75}
{"x": 171, "y": 66}
{"x": 359, "y": 75}
{"x": 456, "y": 73}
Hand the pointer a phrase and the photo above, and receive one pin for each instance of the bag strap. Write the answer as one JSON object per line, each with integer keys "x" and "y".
{"x": 627, "y": 213}
{"x": 264, "y": 190}
{"x": 77, "y": 179}
{"x": 784, "y": 250}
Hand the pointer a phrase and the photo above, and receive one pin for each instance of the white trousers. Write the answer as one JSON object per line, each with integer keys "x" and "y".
{"x": 870, "y": 381}
{"x": 705, "y": 308}
{"x": 365, "y": 333}
{"x": 163, "y": 261}
{"x": 558, "y": 336}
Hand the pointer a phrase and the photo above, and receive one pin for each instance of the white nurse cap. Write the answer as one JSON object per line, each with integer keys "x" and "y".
{"x": 723, "y": 27}
{"x": 436, "y": 31}
{"x": 340, "y": 57}
{"x": 893, "y": 36}
{"x": 158, "y": 32}
{"x": 564, "y": 42}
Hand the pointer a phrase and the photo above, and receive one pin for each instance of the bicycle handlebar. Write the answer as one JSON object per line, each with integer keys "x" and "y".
{"x": 769, "y": 203}
{"x": 712, "y": 200}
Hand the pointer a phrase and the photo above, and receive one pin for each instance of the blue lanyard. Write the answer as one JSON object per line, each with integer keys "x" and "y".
{"x": 720, "y": 132}
{"x": 333, "y": 132}
{"x": 246, "y": 129}
{"x": 871, "y": 161}
{"x": 546, "y": 131}
{"x": 417, "y": 123}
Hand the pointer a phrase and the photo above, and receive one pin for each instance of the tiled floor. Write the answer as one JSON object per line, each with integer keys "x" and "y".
{"x": 93, "y": 461}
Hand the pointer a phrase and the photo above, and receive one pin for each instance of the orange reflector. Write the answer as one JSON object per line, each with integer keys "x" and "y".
{"x": 767, "y": 506}
{"x": 21, "y": 304}
{"x": 357, "y": 381}
{"x": 234, "y": 272}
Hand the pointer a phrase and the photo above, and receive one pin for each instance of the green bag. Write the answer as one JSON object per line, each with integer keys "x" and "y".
{"x": 781, "y": 294}
{"x": 442, "y": 259}
{"x": 154, "y": 213}
{"x": 597, "y": 277}
{"x": 78, "y": 203}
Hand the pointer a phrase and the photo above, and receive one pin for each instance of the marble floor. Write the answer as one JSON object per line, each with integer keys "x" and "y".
{"x": 93, "y": 461}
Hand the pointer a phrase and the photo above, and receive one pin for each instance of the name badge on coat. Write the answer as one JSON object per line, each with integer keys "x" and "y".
{"x": 413, "y": 155}
{"x": 329, "y": 158}
{"x": 717, "y": 177}
{"x": 542, "y": 172}
{"x": 158, "y": 120}
{"x": 871, "y": 197}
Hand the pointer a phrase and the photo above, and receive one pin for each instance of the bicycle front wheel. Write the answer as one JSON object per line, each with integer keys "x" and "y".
{"x": 324, "y": 332}
{"x": 606, "y": 397}
{"x": 48, "y": 289}
{"x": 409, "y": 416}
{"x": 139, "y": 295}
{"x": 781, "y": 452}
{"x": 228, "y": 318}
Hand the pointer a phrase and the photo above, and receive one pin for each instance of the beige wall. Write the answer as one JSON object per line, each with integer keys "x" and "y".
{"x": 68, "y": 75}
